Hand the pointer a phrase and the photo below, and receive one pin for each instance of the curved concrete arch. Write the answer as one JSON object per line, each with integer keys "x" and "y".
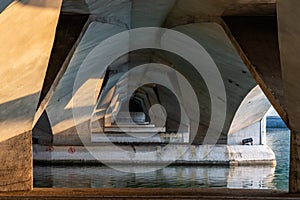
{"x": 252, "y": 109}
{"x": 237, "y": 79}
{"x": 247, "y": 119}
{"x": 144, "y": 56}
{"x": 163, "y": 97}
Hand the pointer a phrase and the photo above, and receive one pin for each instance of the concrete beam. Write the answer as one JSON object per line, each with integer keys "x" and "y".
{"x": 139, "y": 13}
{"x": 27, "y": 33}
{"x": 255, "y": 36}
{"x": 192, "y": 11}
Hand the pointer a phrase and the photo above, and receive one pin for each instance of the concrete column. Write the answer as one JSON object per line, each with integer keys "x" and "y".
{"x": 26, "y": 37}
{"x": 289, "y": 41}
{"x": 263, "y": 130}
{"x": 294, "y": 181}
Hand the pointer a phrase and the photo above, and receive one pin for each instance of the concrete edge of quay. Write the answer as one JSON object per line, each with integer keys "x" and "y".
{"x": 147, "y": 193}
{"x": 139, "y": 154}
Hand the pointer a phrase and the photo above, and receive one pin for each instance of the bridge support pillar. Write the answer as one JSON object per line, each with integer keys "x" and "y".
{"x": 27, "y": 34}
{"x": 294, "y": 182}
{"x": 289, "y": 41}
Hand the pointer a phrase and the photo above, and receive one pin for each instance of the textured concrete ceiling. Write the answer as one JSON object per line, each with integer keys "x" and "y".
{"x": 181, "y": 7}
{"x": 167, "y": 13}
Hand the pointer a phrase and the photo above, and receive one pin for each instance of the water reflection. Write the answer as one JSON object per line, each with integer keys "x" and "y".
{"x": 279, "y": 141}
{"x": 247, "y": 177}
{"x": 251, "y": 177}
{"x": 169, "y": 177}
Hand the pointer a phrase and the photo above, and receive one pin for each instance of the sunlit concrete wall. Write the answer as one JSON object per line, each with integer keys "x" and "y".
{"x": 26, "y": 36}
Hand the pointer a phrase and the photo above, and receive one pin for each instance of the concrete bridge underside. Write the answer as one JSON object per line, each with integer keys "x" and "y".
{"x": 40, "y": 64}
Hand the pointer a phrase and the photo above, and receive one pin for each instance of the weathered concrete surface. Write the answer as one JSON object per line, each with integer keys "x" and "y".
{"x": 140, "y": 138}
{"x": 27, "y": 34}
{"x": 16, "y": 163}
{"x": 157, "y": 154}
{"x": 289, "y": 41}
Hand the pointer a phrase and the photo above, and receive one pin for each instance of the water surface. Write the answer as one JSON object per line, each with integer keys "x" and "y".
{"x": 253, "y": 177}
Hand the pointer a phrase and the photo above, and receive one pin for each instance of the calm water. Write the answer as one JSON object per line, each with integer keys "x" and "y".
{"x": 279, "y": 141}
{"x": 254, "y": 177}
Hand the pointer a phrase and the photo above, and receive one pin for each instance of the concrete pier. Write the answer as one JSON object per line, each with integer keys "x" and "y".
{"x": 27, "y": 30}
{"x": 156, "y": 154}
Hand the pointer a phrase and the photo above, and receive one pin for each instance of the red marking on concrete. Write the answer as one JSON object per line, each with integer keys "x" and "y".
{"x": 50, "y": 148}
{"x": 71, "y": 150}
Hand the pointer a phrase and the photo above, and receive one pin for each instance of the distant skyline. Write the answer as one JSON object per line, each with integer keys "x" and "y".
{"x": 272, "y": 112}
